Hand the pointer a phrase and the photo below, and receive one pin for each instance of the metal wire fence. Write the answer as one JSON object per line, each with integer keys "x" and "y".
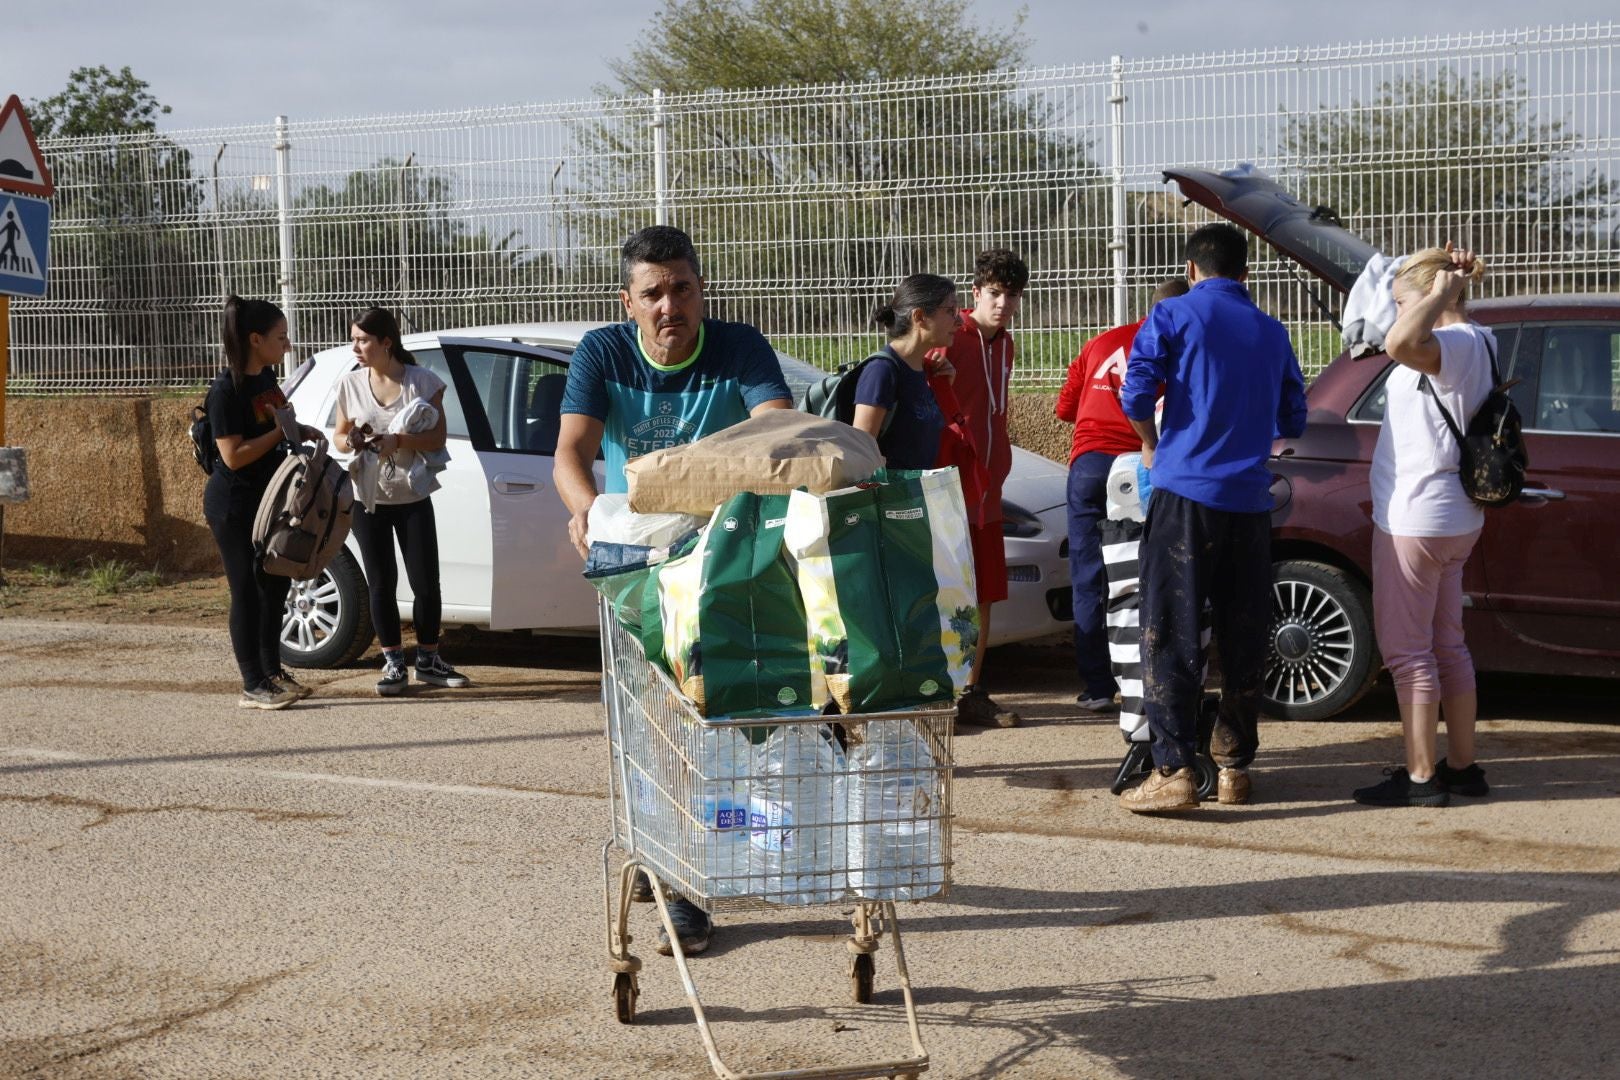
{"x": 808, "y": 204}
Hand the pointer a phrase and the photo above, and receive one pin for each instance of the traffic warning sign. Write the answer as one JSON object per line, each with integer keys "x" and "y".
{"x": 22, "y": 166}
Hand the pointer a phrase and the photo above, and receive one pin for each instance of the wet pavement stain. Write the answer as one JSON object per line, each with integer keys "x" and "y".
{"x": 570, "y": 792}
{"x": 1361, "y": 943}
{"x": 1463, "y": 856}
{"x": 43, "y": 1055}
{"x": 139, "y": 686}
{"x": 107, "y": 811}
{"x": 1130, "y": 918}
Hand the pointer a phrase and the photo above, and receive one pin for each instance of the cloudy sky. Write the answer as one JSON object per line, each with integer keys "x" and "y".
{"x": 221, "y": 63}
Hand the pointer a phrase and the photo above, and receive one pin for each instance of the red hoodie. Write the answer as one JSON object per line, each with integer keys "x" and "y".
{"x": 983, "y": 381}
{"x": 1090, "y": 396}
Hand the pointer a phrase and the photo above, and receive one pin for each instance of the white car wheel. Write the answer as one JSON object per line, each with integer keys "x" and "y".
{"x": 327, "y": 621}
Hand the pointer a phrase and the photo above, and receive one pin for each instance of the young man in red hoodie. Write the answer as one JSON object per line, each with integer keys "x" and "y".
{"x": 982, "y": 355}
{"x": 1090, "y": 401}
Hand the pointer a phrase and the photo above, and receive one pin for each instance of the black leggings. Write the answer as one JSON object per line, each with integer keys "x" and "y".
{"x": 258, "y": 601}
{"x": 419, "y": 543}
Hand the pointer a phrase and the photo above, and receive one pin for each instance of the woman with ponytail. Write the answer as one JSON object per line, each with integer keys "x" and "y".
{"x": 893, "y": 402}
{"x": 242, "y": 405}
{"x": 386, "y": 384}
{"x": 1426, "y": 525}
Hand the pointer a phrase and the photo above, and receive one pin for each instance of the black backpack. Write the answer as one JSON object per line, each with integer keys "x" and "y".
{"x": 1493, "y": 458}
{"x": 833, "y": 396}
{"x": 203, "y": 447}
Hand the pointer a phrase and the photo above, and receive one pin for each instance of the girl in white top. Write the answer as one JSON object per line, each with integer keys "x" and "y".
{"x": 1427, "y": 525}
{"x": 388, "y": 382}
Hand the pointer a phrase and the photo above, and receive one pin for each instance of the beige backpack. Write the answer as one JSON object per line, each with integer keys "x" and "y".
{"x": 306, "y": 511}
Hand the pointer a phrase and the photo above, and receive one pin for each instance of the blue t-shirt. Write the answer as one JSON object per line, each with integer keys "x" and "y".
{"x": 646, "y": 407}
{"x": 915, "y": 424}
{"x": 1231, "y": 386}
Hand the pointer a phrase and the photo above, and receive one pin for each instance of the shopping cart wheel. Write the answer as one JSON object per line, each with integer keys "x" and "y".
{"x": 860, "y": 979}
{"x": 1138, "y": 760}
{"x": 1208, "y": 774}
{"x": 625, "y": 992}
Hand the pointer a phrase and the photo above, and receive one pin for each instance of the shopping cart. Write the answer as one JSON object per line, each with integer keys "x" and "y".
{"x": 794, "y": 809}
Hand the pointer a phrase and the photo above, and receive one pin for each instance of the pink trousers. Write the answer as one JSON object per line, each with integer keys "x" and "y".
{"x": 1417, "y": 613}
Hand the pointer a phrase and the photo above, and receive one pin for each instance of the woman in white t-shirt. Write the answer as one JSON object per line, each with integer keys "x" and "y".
{"x": 1426, "y": 525}
{"x": 384, "y": 389}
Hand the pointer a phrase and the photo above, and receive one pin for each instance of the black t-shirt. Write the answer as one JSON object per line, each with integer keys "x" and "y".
{"x": 915, "y": 424}
{"x": 246, "y": 412}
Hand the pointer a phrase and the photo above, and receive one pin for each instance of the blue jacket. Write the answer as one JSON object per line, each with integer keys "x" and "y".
{"x": 1231, "y": 386}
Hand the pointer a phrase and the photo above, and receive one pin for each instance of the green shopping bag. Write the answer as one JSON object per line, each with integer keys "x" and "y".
{"x": 886, "y": 572}
{"x": 727, "y": 619}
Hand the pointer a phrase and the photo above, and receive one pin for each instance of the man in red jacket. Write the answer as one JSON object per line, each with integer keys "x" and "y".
{"x": 982, "y": 355}
{"x": 1090, "y": 401}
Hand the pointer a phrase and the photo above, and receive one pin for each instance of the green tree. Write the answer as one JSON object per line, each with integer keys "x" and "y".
{"x": 388, "y": 235}
{"x": 693, "y": 46}
{"x": 849, "y": 186}
{"x": 97, "y": 102}
{"x": 1456, "y": 157}
{"x": 127, "y": 212}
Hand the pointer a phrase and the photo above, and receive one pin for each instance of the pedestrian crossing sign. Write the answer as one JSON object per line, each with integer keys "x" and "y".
{"x": 24, "y": 244}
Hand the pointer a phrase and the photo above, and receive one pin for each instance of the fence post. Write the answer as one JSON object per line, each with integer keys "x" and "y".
{"x": 660, "y": 162}
{"x": 404, "y": 260}
{"x": 1117, "y": 245}
{"x": 284, "y": 216}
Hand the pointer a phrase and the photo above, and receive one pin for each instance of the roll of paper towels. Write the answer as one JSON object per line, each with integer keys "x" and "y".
{"x": 1121, "y": 496}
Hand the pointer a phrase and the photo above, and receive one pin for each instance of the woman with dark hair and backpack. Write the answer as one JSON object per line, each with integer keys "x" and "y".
{"x": 893, "y": 401}
{"x": 1426, "y": 525}
{"x": 385, "y": 387}
{"x": 242, "y": 405}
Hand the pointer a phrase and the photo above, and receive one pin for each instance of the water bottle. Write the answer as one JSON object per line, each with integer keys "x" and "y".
{"x": 796, "y": 815}
{"x": 720, "y": 806}
{"x": 895, "y": 849}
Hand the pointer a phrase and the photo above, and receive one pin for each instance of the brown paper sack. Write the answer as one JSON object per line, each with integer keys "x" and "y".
{"x": 770, "y": 454}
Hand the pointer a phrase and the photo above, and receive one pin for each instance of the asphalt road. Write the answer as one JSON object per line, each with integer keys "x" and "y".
{"x": 370, "y": 888}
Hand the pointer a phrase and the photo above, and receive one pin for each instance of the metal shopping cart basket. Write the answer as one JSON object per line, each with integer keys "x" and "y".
{"x": 794, "y": 809}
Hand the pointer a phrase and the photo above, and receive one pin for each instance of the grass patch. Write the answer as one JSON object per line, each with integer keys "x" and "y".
{"x": 46, "y": 574}
{"x": 110, "y": 576}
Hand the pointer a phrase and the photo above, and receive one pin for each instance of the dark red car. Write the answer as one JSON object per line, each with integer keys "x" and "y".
{"x": 1542, "y": 590}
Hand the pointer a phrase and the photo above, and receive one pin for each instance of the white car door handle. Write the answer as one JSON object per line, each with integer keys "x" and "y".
{"x": 510, "y": 484}
{"x": 1539, "y": 494}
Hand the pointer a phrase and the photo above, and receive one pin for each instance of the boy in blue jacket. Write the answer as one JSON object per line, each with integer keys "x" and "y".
{"x": 1232, "y": 386}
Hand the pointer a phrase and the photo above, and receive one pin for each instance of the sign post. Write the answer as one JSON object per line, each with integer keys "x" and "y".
{"x": 25, "y": 223}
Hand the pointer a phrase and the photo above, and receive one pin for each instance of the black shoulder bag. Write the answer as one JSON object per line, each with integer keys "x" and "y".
{"x": 1493, "y": 458}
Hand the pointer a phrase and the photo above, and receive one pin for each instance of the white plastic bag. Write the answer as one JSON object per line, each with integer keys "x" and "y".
{"x": 611, "y": 521}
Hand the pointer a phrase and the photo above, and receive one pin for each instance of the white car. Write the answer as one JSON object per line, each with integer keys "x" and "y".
{"x": 505, "y": 562}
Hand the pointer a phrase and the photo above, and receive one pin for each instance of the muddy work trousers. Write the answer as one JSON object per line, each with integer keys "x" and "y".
{"x": 1190, "y": 554}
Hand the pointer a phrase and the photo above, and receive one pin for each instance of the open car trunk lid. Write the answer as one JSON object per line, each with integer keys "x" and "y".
{"x": 1311, "y": 236}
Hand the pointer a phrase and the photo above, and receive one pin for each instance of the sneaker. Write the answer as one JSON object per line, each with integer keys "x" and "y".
{"x": 394, "y": 679}
{"x": 431, "y": 668}
{"x": 1469, "y": 781}
{"x": 1164, "y": 789}
{"x": 641, "y": 888}
{"x": 267, "y": 695}
{"x": 287, "y": 682}
{"x": 1232, "y": 787}
{"x": 1399, "y": 789}
{"x": 692, "y": 926}
{"x": 1097, "y": 704}
{"x": 976, "y": 708}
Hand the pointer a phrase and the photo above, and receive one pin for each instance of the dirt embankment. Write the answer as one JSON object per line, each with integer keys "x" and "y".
{"x": 115, "y": 479}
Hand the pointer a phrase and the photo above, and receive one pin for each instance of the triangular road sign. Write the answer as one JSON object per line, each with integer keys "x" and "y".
{"x": 22, "y": 166}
